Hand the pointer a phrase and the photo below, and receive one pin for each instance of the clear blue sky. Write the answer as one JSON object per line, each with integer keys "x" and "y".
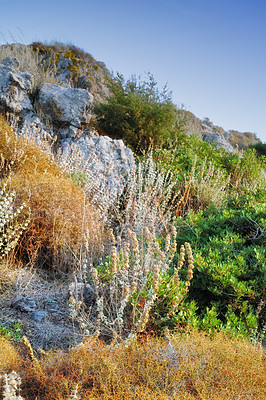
{"x": 212, "y": 53}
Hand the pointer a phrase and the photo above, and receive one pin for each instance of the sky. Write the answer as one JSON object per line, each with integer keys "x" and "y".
{"x": 211, "y": 53}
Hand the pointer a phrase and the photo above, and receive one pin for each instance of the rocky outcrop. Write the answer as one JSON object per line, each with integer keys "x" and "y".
{"x": 219, "y": 140}
{"x": 66, "y": 106}
{"x": 64, "y": 114}
{"x": 106, "y": 163}
{"x": 14, "y": 87}
{"x": 209, "y": 132}
{"x": 74, "y": 66}
{"x": 32, "y": 126}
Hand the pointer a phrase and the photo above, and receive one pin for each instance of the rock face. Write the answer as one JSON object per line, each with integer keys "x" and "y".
{"x": 207, "y": 131}
{"x": 106, "y": 163}
{"x": 65, "y": 105}
{"x": 14, "y": 87}
{"x": 67, "y": 110}
{"x": 220, "y": 141}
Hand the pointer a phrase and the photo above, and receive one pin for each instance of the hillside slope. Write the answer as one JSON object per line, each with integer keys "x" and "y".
{"x": 69, "y": 65}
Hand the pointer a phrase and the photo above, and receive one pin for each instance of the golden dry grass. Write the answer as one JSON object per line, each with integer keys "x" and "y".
{"x": 10, "y": 358}
{"x": 192, "y": 367}
{"x": 59, "y": 210}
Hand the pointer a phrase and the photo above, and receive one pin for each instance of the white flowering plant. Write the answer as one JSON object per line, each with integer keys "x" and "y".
{"x": 128, "y": 286}
{"x": 11, "y": 225}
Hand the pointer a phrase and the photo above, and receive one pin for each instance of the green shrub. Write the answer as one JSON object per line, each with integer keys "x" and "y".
{"x": 230, "y": 260}
{"x": 133, "y": 288}
{"x": 137, "y": 112}
{"x": 260, "y": 148}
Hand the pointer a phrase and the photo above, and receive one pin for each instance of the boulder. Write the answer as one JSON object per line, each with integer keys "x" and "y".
{"x": 14, "y": 87}
{"x": 106, "y": 163}
{"x": 39, "y": 315}
{"x": 65, "y": 106}
{"x": 33, "y": 127}
{"x": 220, "y": 141}
{"x": 24, "y": 304}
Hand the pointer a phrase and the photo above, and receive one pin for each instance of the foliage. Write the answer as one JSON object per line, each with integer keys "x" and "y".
{"x": 205, "y": 175}
{"x": 140, "y": 288}
{"x": 13, "y": 332}
{"x": 126, "y": 286}
{"x": 10, "y": 357}
{"x": 230, "y": 259}
{"x": 147, "y": 199}
{"x": 11, "y": 227}
{"x": 137, "y": 112}
{"x": 260, "y": 148}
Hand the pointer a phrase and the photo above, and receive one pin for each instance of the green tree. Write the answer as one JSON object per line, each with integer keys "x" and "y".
{"x": 137, "y": 112}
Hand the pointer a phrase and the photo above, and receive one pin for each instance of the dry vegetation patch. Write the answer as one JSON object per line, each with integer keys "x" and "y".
{"x": 181, "y": 367}
{"x": 58, "y": 209}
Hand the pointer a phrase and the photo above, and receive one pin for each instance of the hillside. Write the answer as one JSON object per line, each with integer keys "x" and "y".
{"x": 132, "y": 247}
{"x": 72, "y": 66}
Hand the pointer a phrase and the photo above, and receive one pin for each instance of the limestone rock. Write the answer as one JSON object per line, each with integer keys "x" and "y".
{"x": 65, "y": 105}
{"x": 106, "y": 161}
{"x": 39, "y": 315}
{"x": 33, "y": 127}
{"x": 14, "y": 86}
{"x": 24, "y": 304}
{"x": 220, "y": 141}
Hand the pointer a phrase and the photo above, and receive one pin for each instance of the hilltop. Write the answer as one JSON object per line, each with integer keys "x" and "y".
{"x": 69, "y": 65}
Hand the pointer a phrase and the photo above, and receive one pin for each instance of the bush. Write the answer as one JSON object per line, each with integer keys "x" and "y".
{"x": 260, "y": 149}
{"x": 10, "y": 357}
{"x": 230, "y": 259}
{"x": 126, "y": 287}
{"x": 204, "y": 175}
{"x": 136, "y": 112}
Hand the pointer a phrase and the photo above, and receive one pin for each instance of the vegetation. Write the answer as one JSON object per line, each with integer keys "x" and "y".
{"x": 260, "y": 148}
{"x": 166, "y": 284}
{"x": 137, "y": 112}
{"x": 54, "y": 207}
{"x": 180, "y": 367}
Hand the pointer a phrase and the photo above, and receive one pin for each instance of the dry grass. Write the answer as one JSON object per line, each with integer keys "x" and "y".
{"x": 209, "y": 184}
{"x": 59, "y": 211}
{"x": 10, "y": 357}
{"x": 189, "y": 367}
{"x": 30, "y": 61}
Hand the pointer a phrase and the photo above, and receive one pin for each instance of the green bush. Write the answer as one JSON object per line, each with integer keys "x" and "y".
{"x": 230, "y": 266}
{"x": 137, "y": 112}
{"x": 260, "y": 148}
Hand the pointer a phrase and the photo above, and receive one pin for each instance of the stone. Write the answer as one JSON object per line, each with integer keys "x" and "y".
{"x": 65, "y": 105}
{"x": 106, "y": 162}
{"x": 83, "y": 291}
{"x": 67, "y": 132}
{"x": 33, "y": 127}
{"x": 24, "y": 304}
{"x": 14, "y": 87}
{"x": 83, "y": 82}
{"x": 51, "y": 305}
{"x": 219, "y": 140}
{"x": 39, "y": 315}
